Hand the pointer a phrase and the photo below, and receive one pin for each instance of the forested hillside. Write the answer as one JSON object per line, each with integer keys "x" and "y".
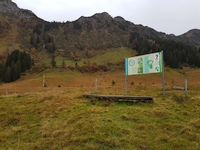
{"x": 176, "y": 54}
{"x": 87, "y": 36}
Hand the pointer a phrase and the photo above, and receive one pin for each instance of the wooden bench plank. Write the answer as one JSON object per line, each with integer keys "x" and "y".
{"x": 119, "y": 97}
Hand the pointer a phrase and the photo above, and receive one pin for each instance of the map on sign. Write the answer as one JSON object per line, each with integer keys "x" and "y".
{"x": 144, "y": 64}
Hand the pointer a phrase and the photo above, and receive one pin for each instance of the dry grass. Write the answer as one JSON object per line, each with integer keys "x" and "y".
{"x": 59, "y": 118}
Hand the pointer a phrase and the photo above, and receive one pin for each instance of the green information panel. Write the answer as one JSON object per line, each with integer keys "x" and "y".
{"x": 144, "y": 64}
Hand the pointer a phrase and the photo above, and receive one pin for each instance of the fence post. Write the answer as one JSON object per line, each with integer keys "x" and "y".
{"x": 186, "y": 87}
{"x": 96, "y": 85}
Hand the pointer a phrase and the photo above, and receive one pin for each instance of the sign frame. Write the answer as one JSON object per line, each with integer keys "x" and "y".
{"x": 144, "y": 64}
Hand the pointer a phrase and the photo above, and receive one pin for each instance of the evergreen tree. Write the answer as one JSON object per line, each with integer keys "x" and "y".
{"x": 2, "y": 70}
{"x": 28, "y": 60}
{"x": 8, "y": 60}
{"x": 24, "y": 65}
{"x": 53, "y": 62}
{"x": 14, "y": 72}
{"x": 50, "y": 47}
{"x": 19, "y": 66}
{"x": 7, "y": 75}
{"x": 16, "y": 63}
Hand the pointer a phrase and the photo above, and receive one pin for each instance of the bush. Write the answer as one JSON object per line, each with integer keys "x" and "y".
{"x": 92, "y": 67}
{"x": 113, "y": 82}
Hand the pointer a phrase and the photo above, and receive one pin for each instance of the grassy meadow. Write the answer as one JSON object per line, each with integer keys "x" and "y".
{"x": 58, "y": 117}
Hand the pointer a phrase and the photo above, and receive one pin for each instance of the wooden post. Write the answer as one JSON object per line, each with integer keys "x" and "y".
{"x": 125, "y": 85}
{"x": 163, "y": 74}
{"x": 186, "y": 87}
{"x": 43, "y": 80}
{"x": 125, "y": 80}
{"x": 96, "y": 85}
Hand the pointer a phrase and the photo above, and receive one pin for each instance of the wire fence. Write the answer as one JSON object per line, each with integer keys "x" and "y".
{"x": 21, "y": 90}
{"x": 30, "y": 89}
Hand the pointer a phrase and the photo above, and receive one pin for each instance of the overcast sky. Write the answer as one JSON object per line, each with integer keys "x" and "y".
{"x": 169, "y": 16}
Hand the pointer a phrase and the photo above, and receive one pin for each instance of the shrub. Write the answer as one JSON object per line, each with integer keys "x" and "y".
{"x": 113, "y": 82}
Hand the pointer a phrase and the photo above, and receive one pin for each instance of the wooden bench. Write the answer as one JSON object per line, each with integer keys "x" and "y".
{"x": 119, "y": 97}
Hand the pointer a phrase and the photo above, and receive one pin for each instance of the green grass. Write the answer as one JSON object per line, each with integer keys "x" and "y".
{"x": 60, "y": 118}
{"x": 45, "y": 120}
{"x": 114, "y": 55}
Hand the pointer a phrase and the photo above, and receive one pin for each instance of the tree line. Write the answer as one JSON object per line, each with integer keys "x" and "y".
{"x": 176, "y": 54}
{"x": 16, "y": 63}
{"x": 40, "y": 39}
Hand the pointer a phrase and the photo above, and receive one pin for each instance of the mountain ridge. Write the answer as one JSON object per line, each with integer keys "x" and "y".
{"x": 99, "y": 31}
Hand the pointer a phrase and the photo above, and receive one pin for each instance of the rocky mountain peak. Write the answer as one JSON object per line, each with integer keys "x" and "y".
{"x": 98, "y": 16}
{"x": 191, "y": 33}
{"x": 103, "y": 15}
{"x": 7, "y": 6}
{"x": 191, "y": 37}
{"x": 11, "y": 9}
{"x": 97, "y": 21}
{"x": 119, "y": 19}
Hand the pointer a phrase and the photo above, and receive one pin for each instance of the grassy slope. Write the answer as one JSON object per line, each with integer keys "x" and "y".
{"x": 109, "y": 56}
{"x": 59, "y": 118}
